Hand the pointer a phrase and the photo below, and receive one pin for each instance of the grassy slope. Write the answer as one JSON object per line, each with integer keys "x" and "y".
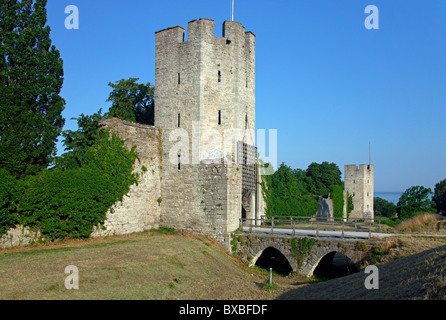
{"x": 141, "y": 266}
{"x": 159, "y": 266}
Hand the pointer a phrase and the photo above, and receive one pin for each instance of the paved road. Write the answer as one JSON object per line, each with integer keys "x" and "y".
{"x": 322, "y": 233}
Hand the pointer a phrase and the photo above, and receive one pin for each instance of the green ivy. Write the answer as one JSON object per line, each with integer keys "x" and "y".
{"x": 337, "y": 195}
{"x": 69, "y": 203}
{"x": 301, "y": 247}
{"x": 234, "y": 243}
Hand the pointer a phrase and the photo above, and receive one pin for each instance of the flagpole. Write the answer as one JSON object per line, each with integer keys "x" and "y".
{"x": 232, "y": 11}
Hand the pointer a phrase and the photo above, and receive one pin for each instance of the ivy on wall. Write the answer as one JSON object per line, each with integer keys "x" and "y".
{"x": 68, "y": 203}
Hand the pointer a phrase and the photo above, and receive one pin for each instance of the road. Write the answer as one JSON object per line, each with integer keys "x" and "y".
{"x": 322, "y": 233}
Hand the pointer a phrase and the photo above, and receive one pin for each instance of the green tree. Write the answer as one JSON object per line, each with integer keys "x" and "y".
{"x": 31, "y": 77}
{"x": 384, "y": 208}
{"x": 8, "y": 209}
{"x": 415, "y": 200}
{"x": 132, "y": 101}
{"x": 320, "y": 177}
{"x": 77, "y": 142}
{"x": 286, "y": 194}
{"x": 440, "y": 196}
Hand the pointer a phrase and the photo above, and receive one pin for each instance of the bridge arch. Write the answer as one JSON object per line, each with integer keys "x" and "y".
{"x": 271, "y": 257}
{"x": 271, "y": 247}
{"x": 334, "y": 265}
{"x": 324, "y": 254}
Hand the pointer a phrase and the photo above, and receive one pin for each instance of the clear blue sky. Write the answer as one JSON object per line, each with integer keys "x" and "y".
{"x": 325, "y": 82}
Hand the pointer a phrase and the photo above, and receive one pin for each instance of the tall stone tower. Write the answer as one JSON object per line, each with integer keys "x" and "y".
{"x": 360, "y": 184}
{"x": 204, "y": 106}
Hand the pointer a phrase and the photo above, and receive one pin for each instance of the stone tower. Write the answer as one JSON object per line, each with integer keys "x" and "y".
{"x": 204, "y": 106}
{"x": 360, "y": 184}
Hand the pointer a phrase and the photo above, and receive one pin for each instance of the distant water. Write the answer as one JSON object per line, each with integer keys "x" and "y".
{"x": 389, "y": 196}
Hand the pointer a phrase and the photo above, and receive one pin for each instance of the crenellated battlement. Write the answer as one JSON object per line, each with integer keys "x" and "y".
{"x": 205, "y": 28}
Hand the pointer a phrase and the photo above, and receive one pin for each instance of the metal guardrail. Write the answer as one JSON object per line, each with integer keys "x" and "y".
{"x": 312, "y": 223}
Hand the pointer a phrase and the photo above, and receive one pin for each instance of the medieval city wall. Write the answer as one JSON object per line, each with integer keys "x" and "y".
{"x": 139, "y": 209}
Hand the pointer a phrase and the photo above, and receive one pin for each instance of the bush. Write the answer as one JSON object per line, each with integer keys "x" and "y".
{"x": 8, "y": 216}
{"x": 384, "y": 208}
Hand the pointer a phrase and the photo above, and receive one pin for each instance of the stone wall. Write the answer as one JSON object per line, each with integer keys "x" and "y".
{"x": 19, "y": 236}
{"x": 326, "y": 211}
{"x": 139, "y": 209}
{"x": 206, "y": 200}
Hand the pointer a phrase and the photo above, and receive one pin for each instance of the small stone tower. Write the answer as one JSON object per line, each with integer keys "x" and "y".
{"x": 359, "y": 183}
{"x": 205, "y": 107}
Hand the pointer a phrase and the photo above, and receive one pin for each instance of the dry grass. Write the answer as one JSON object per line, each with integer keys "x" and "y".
{"x": 148, "y": 266}
{"x": 156, "y": 266}
{"x": 423, "y": 223}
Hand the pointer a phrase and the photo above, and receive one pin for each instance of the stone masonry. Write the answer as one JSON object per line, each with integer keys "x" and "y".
{"x": 139, "y": 209}
{"x": 204, "y": 105}
{"x": 359, "y": 183}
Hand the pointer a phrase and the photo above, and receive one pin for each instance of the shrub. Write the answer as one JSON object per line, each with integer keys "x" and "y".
{"x": 361, "y": 246}
{"x": 8, "y": 216}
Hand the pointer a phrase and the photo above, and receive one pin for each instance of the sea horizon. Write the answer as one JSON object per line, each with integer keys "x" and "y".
{"x": 391, "y": 196}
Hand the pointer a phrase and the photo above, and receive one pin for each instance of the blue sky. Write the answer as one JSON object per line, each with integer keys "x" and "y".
{"x": 325, "y": 82}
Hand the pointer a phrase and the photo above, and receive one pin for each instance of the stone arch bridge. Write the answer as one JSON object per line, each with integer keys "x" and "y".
{"x": 303, "y": 254}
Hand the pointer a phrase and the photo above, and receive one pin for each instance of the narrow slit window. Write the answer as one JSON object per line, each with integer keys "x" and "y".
{"x": 219, "y": 76}
{"x": 179, "y": 120}
{"x": 179, "y": 162}
{"x": 179, "y": 78}
{"x": 246, "y": 121}
{"x": 246, "y": 82}
{"x": 219, "y": 117}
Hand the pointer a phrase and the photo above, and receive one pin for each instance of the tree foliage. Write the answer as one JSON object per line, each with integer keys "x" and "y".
{"x": 77, "y": 142}
{"x": 285, "y": 193}
{"x": 384, "y": 208}
{"x": 294, "y": 192}
{"x": 413, "y": 201}
{"x": 31, "y": 77}
{"x": 132, "y": 101}
{"x": 8, "y": 209}
{"x": 320, "y": 177}
{"x": 440, "y": 196}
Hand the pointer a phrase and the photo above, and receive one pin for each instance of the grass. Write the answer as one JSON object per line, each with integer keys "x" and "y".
{"x": 165, "y": 264}
{"x": 155, "y": 265}
{"x": 424, "y": 223}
